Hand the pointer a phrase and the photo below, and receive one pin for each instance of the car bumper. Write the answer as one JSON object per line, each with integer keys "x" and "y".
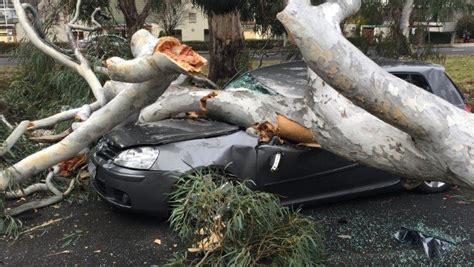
{"x": 140, "y": 191}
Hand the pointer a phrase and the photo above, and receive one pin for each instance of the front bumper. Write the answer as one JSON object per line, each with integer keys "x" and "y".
{"x": 140, "y": 191}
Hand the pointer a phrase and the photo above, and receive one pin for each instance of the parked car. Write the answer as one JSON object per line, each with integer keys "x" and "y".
{"x": 135, "y": 167}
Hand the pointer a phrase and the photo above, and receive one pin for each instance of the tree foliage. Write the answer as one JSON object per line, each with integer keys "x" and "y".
{"x": 87, "y": 7}
{"x": 261, "y": 12}
{"x": 388, "y": 13}
{"x": 231, "y": 225}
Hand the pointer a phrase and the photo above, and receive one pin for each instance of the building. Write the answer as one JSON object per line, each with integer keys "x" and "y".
{"x": 193, "y": 26}
{"x": 8, "y": 21}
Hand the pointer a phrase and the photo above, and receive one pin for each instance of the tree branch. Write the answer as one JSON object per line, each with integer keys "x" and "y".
{"x": 36, "y": 40}
{"x": 83, "y": 68}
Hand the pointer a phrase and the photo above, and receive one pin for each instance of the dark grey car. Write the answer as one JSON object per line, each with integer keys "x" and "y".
{"x": 135, "y": 167}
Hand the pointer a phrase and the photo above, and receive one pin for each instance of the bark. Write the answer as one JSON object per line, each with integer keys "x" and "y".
{"x": 436, "y": 127}
{"x": 351, "y": 132}
{"x": 237, "y": 106}
{"x": 405, "y": 19}
{"x": 134, "y": 19}
{"x": 225, "y": 46}
{"x": 337, "y": 124}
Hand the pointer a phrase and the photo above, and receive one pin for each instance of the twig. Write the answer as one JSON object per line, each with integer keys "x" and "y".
{"x": 13, "y": 138}
{"x": 34, "y": 205}
{"x": 59, "y": 253}
{"x": 98, "y": 26}
{"x": 4, "y": 120}
{"x": 48, "y": 223}
{"x": 204, "y": 258}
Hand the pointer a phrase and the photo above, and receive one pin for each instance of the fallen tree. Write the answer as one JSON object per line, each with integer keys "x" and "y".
{"x": 133, "y": 85}
{"x": 442, "y": 132}
{"x": 376, "y": 119}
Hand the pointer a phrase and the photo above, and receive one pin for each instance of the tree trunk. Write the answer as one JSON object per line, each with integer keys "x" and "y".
{"x": 437, "y": 128}
{"x": 134, "y": 20}
{"x": 405, "y": 19}
{"x": 226, "y": 43}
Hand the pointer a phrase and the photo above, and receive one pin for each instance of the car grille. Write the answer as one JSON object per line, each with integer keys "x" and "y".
{"x": 114, "y": 195}
{"x": 107, "y": 151}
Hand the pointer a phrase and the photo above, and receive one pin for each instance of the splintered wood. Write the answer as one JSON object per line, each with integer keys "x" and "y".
{"x": 286, "y": 129}
{"x": 67, "y": 167}
{"x": 181, "y": 54}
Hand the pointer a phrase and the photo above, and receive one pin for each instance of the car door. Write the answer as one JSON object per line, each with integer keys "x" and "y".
{"x": 303, "y": 174}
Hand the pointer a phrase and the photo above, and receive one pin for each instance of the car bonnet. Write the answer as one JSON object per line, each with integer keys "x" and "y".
{"x": 167, "y": 131}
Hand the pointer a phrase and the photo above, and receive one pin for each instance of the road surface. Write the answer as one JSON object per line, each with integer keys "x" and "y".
{"x": 355, "y": 232}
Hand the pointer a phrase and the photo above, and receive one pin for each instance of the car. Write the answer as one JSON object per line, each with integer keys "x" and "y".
{"x": 135, "y": 167}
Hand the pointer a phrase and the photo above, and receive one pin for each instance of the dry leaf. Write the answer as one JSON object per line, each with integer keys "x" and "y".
{"x": 345, "y": 236}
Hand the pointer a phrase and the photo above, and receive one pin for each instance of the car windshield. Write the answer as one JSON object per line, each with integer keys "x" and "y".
{"x": 249, "y": 82}
{"x": 289, "y": 80}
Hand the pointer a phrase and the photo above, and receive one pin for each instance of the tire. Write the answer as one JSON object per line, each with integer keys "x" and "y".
{"x": 429, "y": 187}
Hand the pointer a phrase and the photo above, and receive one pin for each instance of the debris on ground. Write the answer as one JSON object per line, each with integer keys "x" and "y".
{"x": 433, "y": 246}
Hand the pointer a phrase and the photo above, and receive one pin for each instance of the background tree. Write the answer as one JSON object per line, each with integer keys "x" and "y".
{"x": 401, "y": 15}
{"x": 226, "y": 35}
{"x": 134, "y": 18}
{"x": 170, "y": 14}
{"x": 226, "y": 39}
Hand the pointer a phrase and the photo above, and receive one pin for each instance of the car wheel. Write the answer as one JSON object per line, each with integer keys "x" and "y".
{"x": 430, "y": 187}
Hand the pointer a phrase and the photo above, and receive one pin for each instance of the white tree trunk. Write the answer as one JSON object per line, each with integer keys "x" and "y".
{"x": 436, "y": 127}
{"x": 405, "y": 19}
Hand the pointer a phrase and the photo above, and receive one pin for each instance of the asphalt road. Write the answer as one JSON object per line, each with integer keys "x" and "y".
{"x": 5, "y": 61}
{"x": 356, "y": 233}
{"x": 460, "y": 50}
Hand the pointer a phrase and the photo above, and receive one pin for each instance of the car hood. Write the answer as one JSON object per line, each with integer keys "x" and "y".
{"x": 167, "y": 131}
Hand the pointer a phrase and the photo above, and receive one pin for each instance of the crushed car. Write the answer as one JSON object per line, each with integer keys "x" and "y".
{"x": 135, "y": 167}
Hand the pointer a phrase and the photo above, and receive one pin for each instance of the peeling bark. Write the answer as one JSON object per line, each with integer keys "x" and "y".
{"x": 438, "y": 128}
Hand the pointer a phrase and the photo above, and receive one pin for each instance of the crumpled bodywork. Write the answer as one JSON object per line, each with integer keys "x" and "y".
{"x": 236, "y": 152}
{"x": 185, "y": 144}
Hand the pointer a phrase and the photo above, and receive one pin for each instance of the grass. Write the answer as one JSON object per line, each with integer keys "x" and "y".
{"x": 461, "y": 70}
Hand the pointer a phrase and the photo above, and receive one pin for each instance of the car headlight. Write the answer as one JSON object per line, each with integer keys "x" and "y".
{"x": 137, "y": 158}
